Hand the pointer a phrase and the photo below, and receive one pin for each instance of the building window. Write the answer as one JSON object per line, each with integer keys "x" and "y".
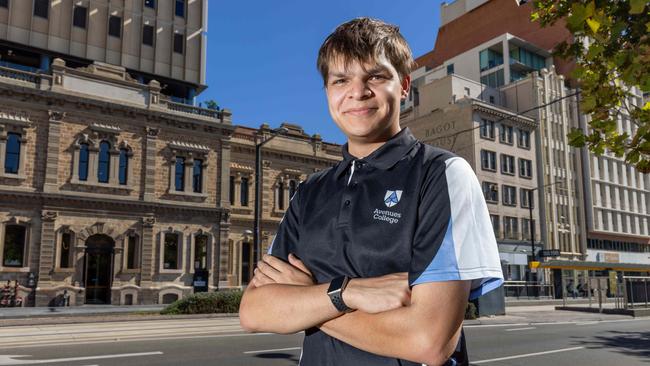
{"x": 495, "y": 225}
{"x": 180, "y": 8}
{"x": 41, "y": 8}
{"x": 450, "y": 69}
{"x": 524, "y": 139}
{"x": 527, "y": 199}
{"x": 509, "y": 195}
{"x": 487, "y": 129}
{"x": 525, "y": 228}
{"x": 525, "y": 168}
{"x": 124, "y": 166}
{"x": 232, "y": 190}
{"x": 179, "y": 181}
{"x": 510, "y": 227}
{"x": 147, "y": 35}
{"x": 178, "y": 42}
{"x": 4, "y": 3}
{"x": 171, "y": 251}
{"x": 491, "y": 192}
{"x": 13, "y": 254}
{"x": 489, "y": 58}
{"x": 65, "y": 250}
{"x": 83, "y": 162}
{"x": 507, "y": 164}
{"x": 488, "y": 160}
{"x": 197, "y": 176}
{"x": 280, "y": 196}
{"x": 150, "y": 4}
{"x": 115, "y": 26}
{"x": 201, "y": 251}
{"x": 293, "y": 186}
{"x": 494, "y": 79}
{"x": 132, "y": 252}
{"x": 243, "y": 199}
{"x": 79, "y": 16}
{"x": 505, "y": 135}
{"x": 12, "y": 157}
{"x": 416, "y": 97}
{"x": 104, "y": 162}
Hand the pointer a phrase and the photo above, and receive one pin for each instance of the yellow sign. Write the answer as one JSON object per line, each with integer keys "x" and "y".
{"x": 533, "y": 264}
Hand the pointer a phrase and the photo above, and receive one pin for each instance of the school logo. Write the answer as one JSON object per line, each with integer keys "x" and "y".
{"x": 392, "y": 198}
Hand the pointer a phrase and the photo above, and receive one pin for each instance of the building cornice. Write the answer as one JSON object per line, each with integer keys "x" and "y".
{"x": 504, "y": 114}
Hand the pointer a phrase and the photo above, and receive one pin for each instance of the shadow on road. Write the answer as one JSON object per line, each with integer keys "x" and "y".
{"x": 278, "y": 355}
{"x": 635, "y": 344}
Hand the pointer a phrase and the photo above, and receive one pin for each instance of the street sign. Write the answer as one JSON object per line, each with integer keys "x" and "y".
{"x": 549, "y": 253}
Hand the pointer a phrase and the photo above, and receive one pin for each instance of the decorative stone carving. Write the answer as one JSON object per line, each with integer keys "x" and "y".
{"x": 153, "y": 132}
{"x": 148, "y": 221}
{"x": 49, "y": 215}
{"x": 56, "y": 115}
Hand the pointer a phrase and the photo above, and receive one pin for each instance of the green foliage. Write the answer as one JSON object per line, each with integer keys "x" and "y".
{"x": 470, "y": 311}
{"x": 611, "y": 50}
{"x": 206, "y": 303}
{"x": 211, "y": 104}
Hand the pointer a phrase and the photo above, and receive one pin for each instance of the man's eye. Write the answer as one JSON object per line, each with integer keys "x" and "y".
{"x": 377, "y": 77}
{"x": 338, "y": 81}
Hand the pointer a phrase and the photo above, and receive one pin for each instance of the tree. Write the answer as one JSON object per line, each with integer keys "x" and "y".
{"x": 211, "y": 104}
{"x": 611, "y": 49}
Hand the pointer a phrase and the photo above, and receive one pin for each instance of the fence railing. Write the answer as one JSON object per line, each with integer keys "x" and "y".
{"x": 185, "y": 108}
{"x": 636, "y": 291}
{"x": 22, "y": 75}
{"x": 527, "y": 289}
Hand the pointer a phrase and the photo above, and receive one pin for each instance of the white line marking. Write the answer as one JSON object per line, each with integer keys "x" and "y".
{"x": 273, "y": 350}
{"x": 512, "y": 330}
{"x": 587, "y": 323}
{"x": 133, "y": 340}
{"x": 9, "y": 360}
{"x": 526, "y": 355}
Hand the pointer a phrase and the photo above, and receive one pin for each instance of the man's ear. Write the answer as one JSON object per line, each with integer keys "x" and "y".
{"x": 406, "y": 86}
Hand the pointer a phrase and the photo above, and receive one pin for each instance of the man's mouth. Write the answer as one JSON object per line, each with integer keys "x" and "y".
{"x": 360, "y": 111}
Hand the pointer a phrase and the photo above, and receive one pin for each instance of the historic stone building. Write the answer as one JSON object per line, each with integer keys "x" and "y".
{"x": 108, "y": 191}
{"x": 286, "y": 161}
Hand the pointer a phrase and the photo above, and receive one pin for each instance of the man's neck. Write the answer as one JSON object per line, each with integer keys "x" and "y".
{"x": 360, "y": 148}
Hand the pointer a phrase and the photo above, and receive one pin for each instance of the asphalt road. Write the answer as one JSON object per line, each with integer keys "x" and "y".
{"x": 221, "y": 342}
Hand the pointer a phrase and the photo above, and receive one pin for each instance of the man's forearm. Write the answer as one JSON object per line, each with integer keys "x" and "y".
{"x": 285, "y": 309}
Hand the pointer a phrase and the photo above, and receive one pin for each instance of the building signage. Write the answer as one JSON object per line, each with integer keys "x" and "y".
{"x": 549, "y": 253}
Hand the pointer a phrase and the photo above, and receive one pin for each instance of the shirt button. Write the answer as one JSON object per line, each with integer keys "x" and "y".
{"x": 347, "y": 202}
{"x": 359, "y": 165}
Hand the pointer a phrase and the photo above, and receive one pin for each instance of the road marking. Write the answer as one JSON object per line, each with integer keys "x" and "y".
{"x": 273, "y": 350}
{"x": 588, "y": 323}
{"x": 526, "y": 355}
{"x": 515, "y": 329}
{"x": 9, "y": 359}
{"x": 143, "y": 339}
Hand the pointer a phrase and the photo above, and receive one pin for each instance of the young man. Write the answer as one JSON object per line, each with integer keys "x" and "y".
{"x": 376, "y": 257}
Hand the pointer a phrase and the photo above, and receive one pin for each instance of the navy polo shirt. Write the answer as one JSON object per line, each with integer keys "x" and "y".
{"x": 407, "y": 207}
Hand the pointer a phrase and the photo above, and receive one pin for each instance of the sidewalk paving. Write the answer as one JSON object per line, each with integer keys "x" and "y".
{"x": 110, "y": 313}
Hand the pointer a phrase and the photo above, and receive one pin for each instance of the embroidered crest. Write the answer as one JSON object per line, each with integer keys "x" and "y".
{"x": 392, "y": 198}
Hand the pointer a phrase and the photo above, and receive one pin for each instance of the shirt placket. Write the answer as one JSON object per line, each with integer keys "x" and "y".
{"x": 348, "y": 197}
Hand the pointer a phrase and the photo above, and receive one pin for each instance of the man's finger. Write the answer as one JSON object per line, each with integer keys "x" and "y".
{"x": 268, "y": 270}
{"x": 294, "y": 261}
{"x": 262, "y": 279}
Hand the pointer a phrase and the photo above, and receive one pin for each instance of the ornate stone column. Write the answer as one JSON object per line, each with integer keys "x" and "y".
{"x": 52, "y": 152}
{"x": 150, "y": 164}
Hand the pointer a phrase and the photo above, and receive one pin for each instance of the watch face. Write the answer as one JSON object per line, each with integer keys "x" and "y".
{"x": 336, "y": 284}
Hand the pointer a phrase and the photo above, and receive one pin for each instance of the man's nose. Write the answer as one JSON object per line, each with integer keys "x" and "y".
{"x": 359, "y": 89}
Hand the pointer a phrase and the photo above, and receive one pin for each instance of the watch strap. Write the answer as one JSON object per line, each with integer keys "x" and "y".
{"x": 335, "y": 293}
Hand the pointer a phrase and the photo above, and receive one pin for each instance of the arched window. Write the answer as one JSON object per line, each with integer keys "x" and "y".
{"x": 12, "y": 159}
{"x": 83, "y": 162}
{"x": 179, "y": 182}
{"x": 280, "y": 195}
{"x": 124, "y": 166}
{"x": 201, "y": 251}
{"x": 104, "y": 162}
{"x": 197, "y": 176}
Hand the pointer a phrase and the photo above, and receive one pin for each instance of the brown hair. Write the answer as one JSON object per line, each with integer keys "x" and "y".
{"x": 365, "y": 40}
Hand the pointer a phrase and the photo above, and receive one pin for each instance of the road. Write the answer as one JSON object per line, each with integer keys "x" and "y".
{"x": 220, "y": 341}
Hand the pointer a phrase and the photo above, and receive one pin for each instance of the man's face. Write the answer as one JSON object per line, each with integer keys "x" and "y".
{"x": 364, "y": 99}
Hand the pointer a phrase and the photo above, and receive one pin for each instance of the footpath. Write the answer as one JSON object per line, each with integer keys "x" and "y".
{"x": 526, "y": 314}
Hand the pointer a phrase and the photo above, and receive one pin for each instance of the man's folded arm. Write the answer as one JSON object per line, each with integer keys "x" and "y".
{"x": 285, "y": 309}
{"x": 426, "y": 331}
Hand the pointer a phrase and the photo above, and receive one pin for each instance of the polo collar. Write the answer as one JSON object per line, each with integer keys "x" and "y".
{"x": 386, "y": 156}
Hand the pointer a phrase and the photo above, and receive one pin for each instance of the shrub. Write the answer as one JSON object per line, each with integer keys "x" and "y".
{"x": 206, "y": 303}
{"x": 470, "y": 311}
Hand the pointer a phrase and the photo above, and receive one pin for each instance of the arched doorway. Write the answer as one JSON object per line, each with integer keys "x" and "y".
{"x": 98, "y": 269}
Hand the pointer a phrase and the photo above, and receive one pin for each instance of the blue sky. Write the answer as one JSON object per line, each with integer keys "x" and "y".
{"x": 261, "y": 60}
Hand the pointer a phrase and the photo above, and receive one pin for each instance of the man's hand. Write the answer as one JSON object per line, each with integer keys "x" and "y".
{"x": 274, "y": 270}
{"x": 378, "y": 294}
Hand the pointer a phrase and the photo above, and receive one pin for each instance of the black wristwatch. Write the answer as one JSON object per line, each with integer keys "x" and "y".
{"x": 335, "y": 292}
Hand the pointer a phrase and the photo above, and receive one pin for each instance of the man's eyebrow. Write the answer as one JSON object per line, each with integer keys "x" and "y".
{"x": 377, "y": 69}
{"x": 337, "y": 74}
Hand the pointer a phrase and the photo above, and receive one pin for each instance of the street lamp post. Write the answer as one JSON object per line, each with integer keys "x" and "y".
{"x": 531, "y": 227}
{"x": 258, "y": 187}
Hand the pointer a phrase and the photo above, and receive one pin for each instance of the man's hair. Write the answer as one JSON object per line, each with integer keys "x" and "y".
{"x": 365, "y": 40}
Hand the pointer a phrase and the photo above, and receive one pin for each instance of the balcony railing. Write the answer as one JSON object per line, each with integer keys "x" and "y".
{"x": 190, "y": 109}
{"x": 22, "y": 73}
